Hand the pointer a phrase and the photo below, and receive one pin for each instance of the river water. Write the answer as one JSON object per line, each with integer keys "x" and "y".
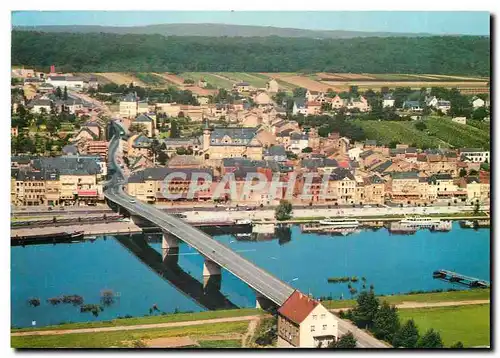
{"x": 392, "y": 263}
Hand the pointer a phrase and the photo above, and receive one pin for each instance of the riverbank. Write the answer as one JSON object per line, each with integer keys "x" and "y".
{"x": 479, "y": 295}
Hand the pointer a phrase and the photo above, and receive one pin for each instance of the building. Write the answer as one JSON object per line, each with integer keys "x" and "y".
{"x": 305, "y": 323}
{"x": 414, "y": 106}
{"x": 40, "y": 105}
{"x": 272, "y": 86}
{"x": 298, "y": 142}
{"x": 388, "y": 100}
{"x": 299, "y": 106}
{"x": 129, "y": 106}
{"x": 242, "y": 87}
{"x": 276, "y": 153}
{"x": 475, "y": 155}
{"x": 70, "y": 82}
{"x": 477, "y": 102}
{"x": 231, "y": 143}
{"x": 147, "y": 122}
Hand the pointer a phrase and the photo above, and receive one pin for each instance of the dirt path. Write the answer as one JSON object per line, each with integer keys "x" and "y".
{"x": 413, "y": 304}
{"x": 247, "y": 338}
{"x": 135, "y": 327}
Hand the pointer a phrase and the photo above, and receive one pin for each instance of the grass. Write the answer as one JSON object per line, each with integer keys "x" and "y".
{"x": 468, "y": 324}
{"x": 466, "y": 295}
{"x": 174, "y": 317}
{"x": 458, "y": 135}
{"x": 227, "y": 343}
{"x": 399, "y": 131}
{"x": 122, "y": 338}
{"x": 440, "y": 132}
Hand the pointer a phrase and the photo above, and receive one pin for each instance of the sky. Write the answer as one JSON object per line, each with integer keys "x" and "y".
{"x": 443, "y": 22}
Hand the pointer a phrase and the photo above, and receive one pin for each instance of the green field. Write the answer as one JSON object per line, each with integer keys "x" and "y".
{"x": 440, "y": 132}
{"x": 468, "y": 324}
{"x": 458, "y": 135}
{"x": 174, "y": 317}
{"x": 254, "y": 81}
{"x": 226, "y": 343}
{"x": 477, "y": 294}
{"x": 123, "y": 338}
{"x": 213, "y": 80}
{"x": 386, "y": 132}
{"x": 151, "y": 79}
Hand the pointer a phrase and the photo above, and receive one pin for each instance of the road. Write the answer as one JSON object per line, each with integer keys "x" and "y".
{"x": 260, "y": 280}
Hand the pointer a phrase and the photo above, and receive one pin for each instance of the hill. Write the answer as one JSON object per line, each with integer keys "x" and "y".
{"x": 215, "y": 30}
{"x": 101, "y": 52}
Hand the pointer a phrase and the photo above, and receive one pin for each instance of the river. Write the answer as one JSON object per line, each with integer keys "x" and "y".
{"x": 391, "y": 263}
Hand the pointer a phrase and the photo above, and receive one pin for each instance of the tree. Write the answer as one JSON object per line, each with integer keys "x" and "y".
{"x": 480, "y": 113}
{"x": 407, "y": 336}
{"x": 299, "y": 92}
{"x": 344, "y": 342}
{"x": 386, "y": 322}
{"x": 463, "y": 172}
{"x": 420, "y": 126}
{"x": 307, "y": 150}
{"x": 174, "y": 129}
{"x": 136, "y": 128}
{"x": 283, "y": 211}
{"x": 65, "y": 94}
{"x": 473, "y": 172}
{"x": 162, "y": 158}
{"x": 431, "y": 339}
{"x": 365, "y": 310}
{"x": 457, "y": 345}
{"x": 58, "y": 92}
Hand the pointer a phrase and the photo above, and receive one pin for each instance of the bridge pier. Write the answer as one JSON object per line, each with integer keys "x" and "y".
{"x": 169, "y": 249}
{"x": 210, "y": 268}
{"x": 212, "y": 283}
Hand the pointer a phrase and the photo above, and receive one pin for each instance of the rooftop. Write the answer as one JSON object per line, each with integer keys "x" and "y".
{"x": 297, "y": 307}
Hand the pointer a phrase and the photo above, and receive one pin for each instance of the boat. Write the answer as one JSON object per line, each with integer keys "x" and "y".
{"x": 47, "y": 238}
{"x": 340, "y": 223}
{"x": 243, "y": 222}
{"x": 420, "y": 222}
{"x": 398, "y": 228}
{"x": 442, "y": 226}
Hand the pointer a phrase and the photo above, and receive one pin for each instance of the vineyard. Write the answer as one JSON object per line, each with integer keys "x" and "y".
{"x": 440, "y": 132}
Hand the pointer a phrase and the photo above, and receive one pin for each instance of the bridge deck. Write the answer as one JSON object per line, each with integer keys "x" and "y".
{"x": 257, "y": 278}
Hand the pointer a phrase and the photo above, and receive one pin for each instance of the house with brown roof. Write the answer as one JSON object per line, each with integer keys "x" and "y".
{"x": 304, "y": 322}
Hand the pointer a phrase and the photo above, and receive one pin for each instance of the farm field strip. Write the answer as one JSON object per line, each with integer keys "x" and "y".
{"x": 121, "y": 78}
{"x": 211, "y": 78}
{"x": 460, "y": 77}
{"x": 305, "y": 82}
{"x": 167, "y": 81}
{"x": 412, "y": 84}
{"x": 244, "y": 77}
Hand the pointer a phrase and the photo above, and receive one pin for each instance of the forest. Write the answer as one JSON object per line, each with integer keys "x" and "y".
{"x": 104, "y": 52}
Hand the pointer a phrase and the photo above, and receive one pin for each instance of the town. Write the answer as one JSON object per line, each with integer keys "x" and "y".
{"x": 60, "y": 145}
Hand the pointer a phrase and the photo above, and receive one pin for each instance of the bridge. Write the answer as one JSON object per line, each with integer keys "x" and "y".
{"x": 217, "y": 255}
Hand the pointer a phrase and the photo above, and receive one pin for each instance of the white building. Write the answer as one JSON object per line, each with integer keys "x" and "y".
{"x": 299, "y": 107}
{"x": 40, "y": 104}
{"x": 70, "y": 82}
{"x": 475, "y": 155}
{"x": 298, "y": 141}
{"x": 354, "y": 153}
{"x": 477, "y": 102}
{"x": 305, "y": 323}
{"x": 388, "y": 101}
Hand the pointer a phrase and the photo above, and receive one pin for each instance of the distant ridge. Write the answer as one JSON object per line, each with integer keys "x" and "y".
{"x": 217, "y": 30}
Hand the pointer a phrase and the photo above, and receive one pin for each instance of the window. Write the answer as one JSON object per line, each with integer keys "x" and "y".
{"x": 323, "y": 316}
{"x": 313, "y": 328}
{"x": 315, "y": 316}
{"x": 324, "y": 327}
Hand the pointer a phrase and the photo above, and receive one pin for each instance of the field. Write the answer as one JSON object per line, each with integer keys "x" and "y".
{"x": 288, "y": 80}
{"x": 440, "y": 132}
{"x": 468, "y": 324}
{"x": 125, "y": 338}
{"x": 177, "y": 317}
{"x": 468, "y": 295}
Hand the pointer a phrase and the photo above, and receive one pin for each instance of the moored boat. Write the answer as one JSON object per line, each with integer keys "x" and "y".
{"x": 343, "y": 223}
